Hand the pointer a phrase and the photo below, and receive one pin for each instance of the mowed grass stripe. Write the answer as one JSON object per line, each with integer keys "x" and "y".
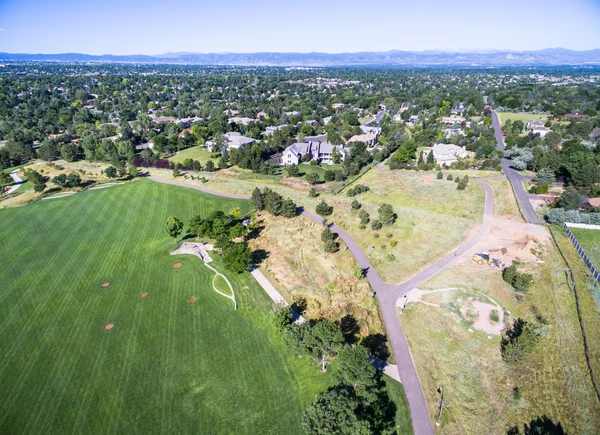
{"x": 126, "y": 371}
{"x": 40, "y": 305}
{"x": 83, "y": 270}
{"x": 62, "y": 368}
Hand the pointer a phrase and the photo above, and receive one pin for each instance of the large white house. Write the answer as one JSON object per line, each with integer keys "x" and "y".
{"x": 446, "y": 154}
{"x": 322, "y": 152}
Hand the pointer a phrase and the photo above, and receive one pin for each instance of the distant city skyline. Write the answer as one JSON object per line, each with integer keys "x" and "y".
{"x": 151, "y": 27}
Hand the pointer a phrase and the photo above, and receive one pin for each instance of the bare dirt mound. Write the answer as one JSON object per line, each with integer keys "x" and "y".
{"x": 177, "y": 265}
{"x": 106, "y": 284}
{"x": 109, "y": 326}
{"x": 192, "y": 299}
{"x": 143, "y": 294}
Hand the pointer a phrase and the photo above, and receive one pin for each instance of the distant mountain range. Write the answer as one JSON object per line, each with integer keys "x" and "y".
{"x": 550, "y": 56}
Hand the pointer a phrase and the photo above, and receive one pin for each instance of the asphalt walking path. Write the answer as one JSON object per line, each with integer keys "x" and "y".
{"x": 389, "y": 294}
{"x": 514, "y": 177}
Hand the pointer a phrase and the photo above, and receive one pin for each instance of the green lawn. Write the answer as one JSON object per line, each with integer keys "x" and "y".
{"x": 194, "y": 153}
{"x": 168, "y": 365}
{"x": 307, "y": 168}
{"x": 521, "y": 116}
{"x": 590, "y": 242}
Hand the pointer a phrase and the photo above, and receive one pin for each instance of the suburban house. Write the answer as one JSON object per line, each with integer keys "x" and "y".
{"x": 243, "y": 120}
{"x": 446, "y": 154}
{"x": 235, "y": 140}
{"x": 160, "y": 119}
{"x": 368, "y": 129}
{"x": 327, "y": 120}
{"x": 412, "y": 120}
{"x": 405, "y": 106}
{"x": 261, "y": 115}
{"x": 531, "y": 125}
{"x": 451, "y": 120}
{"x": 322, "y": 152}
{"x": 542, "y": 131}
{"x": 458, "y": 109}
{"x": 369, "y": 139}
{"x": 450, "y": 132}
{"x": 337, "y": 106}
{"x": 270, "y": 130}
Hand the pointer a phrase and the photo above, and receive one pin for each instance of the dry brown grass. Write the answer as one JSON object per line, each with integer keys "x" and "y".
{"x": 298, "y": 266}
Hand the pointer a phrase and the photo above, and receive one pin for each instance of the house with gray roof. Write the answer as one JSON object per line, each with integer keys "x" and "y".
{"x": 322, "y": 152}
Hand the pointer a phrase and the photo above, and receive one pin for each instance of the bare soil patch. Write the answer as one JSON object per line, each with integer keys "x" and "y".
{"x": 177, "y": 266}
{"x": 109, "y": 326}
{"x": 106, "y": 284}
{"x": 192, "y": 299}
{"x": 143, "y": 294}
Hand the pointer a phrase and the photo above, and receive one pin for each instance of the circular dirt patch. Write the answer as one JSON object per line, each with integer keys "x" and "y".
{"x": 177, "y": 265}
{"x": 192, "y": 299}
{"x": 106, "y": 284}
{"x": 109, "y": 326}
{"x": 144, "y": 294}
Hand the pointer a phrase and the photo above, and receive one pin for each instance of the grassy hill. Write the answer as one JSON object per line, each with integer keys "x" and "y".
{"x": 167, "y": 365}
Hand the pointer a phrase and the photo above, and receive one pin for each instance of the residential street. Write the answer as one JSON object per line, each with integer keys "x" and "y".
{"x": 514, "y": 176}
{"x": 389, "y": 294}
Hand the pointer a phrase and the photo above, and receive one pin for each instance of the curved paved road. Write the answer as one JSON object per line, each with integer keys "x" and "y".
{"x": 514, "y": 177}
{"x": 388, "y": 295}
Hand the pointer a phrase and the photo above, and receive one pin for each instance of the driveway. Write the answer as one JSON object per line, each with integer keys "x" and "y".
{"x": 514, "y": 177}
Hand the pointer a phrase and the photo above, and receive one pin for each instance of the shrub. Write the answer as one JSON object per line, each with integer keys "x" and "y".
{"x": 39, "y": 187}
{"x": 518, "y": 342}
{"x": 329, "y": 175}
{"x": 364, "y": 217}
{"x": 376, "y": 225}
{"x": 323, "y": 209}
{"x": 332, "y": 246}
{"x": 521, "y": 282}
{"x": 391, "y": 257}
{"x": 494, "y": 316}
{"x": 312, "y": 193}
{"x": 449, "y": 177}
{"x": 355, "y": 205}
{"x": 440, "y": 175}
{"x": 327, "y": 235}
{"x": 358, "y": 189}
{"x": 393, "y": 243}
{"x": 462, "y": 185}
{"x": 386, "y": 214}
{"x": 541, "y": 189}
{"x": 312, "y": 178}
{"x": 457, "y": 180}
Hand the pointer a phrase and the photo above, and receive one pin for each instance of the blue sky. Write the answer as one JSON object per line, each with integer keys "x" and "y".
{"x": 333, "y": 26}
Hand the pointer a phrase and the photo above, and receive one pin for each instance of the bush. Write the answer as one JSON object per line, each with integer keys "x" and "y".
{"x": 440, "y": 175}
{"x": 327, "y": 235}
{"x": 393, "y": 243}
{"x": 449, "y": 177}
{"x": 364, "y": 217}
{"x": 376, "y": 225}
{"x": 358, "y": 189}
{"x": 541, "y": 189}
{"x": 559, "y": 216}
{"x": 312, "y": 193}
{"x": 521, "y": 282}
{"x": 39, "y": 187}
{"x": 518, "y": 342}
{"x": 323, "y": 209}
{"x": 329, "y": 175}
{"x": 570, "y": 199}
{"x": 332, "y": 246}
{"x": 457, "y": 180}
{"x": 312, "y": 178}
{"x": 462, "y": 185}
{"x": 386, "y": 214}
{"x": 355, "y": 205}
{"x": 494, "y": 316}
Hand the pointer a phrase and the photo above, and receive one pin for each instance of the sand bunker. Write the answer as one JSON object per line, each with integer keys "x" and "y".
{"x": 109, "y": 326}
{"x": 144, "y": 294}
{"x": 177, "y": 265}
{"x": 192, "y": 299}
{"x": 106, "y": 284}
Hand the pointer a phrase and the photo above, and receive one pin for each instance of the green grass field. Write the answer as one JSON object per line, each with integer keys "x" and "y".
{"x": 194, "y": 153}
{"x": 306, "y": 168}
{"x": 521, "y": 116}
{"x": 168, "y": 365}
{"x": 590, "y": 242}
